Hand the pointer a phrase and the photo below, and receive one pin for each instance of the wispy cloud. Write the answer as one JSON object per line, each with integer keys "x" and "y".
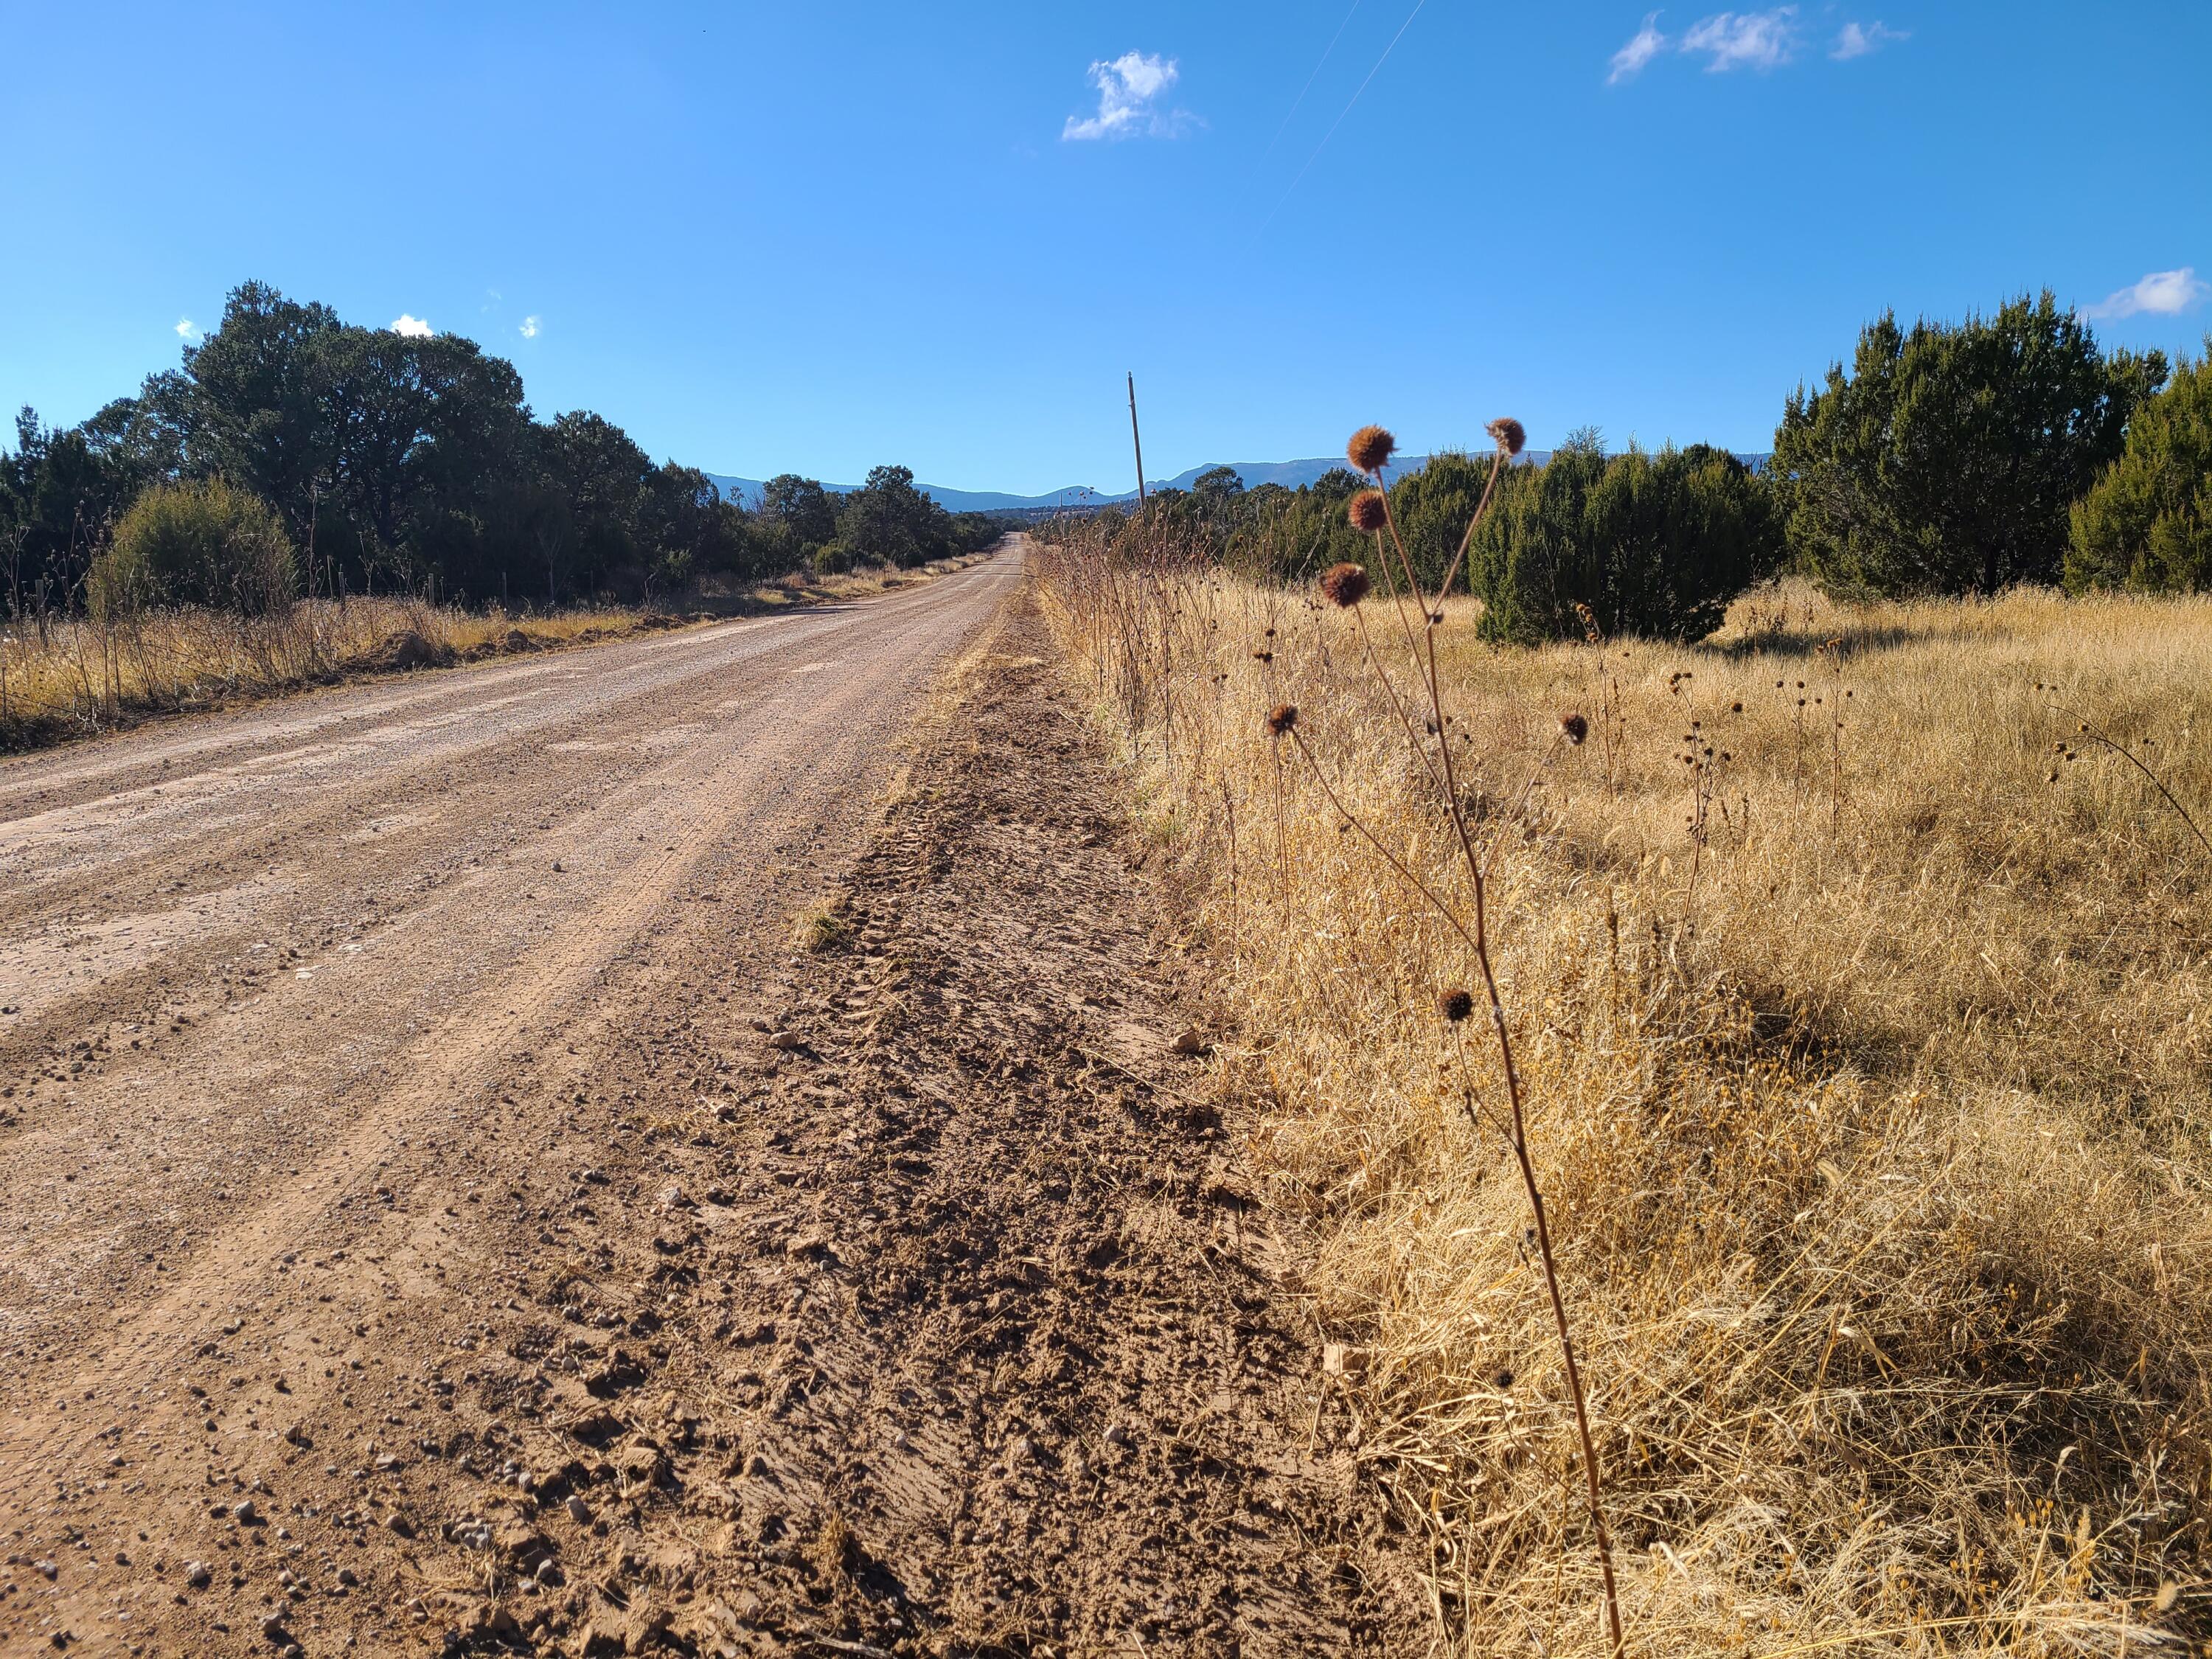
{"x": 1728, "y": 41}
{"x": 1645, "y": 45}
{"x": 413, "y": 327}
{"x": 529, "y": 328}
{"x": 1857, "y": 39}
{"x": 186, "y": 328}
{"x": 2161, "y": 293}
{"x": 1745, "y": 40}
{"x": 1130, "y": 88}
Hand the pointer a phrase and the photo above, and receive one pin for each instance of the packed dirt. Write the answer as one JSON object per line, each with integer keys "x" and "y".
{"x": 680, "y": 1148}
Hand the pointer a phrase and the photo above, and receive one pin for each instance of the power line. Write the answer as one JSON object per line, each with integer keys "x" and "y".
{"x": 1339, "y": 122}
{"x": 1310, "y": 79}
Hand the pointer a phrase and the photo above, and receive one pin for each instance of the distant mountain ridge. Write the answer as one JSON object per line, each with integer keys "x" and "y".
{"x": 1291, "y": 475}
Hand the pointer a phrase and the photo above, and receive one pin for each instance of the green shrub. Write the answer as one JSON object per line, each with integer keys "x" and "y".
{"x": 832, "y": 559}
{"x": 1655, "y": 544}
{"x": 194, "y": 543}
{"x": 1431, "y": 508}
{"x": 1949, "y": 458}
{"x": 2146, "y": 524}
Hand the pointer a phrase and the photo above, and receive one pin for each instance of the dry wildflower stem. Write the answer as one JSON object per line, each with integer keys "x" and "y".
{"x": 2134, "y": 760}
{"x": 1478, "y": 942}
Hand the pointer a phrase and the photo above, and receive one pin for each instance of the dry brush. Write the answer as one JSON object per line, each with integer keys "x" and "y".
{"x": 1860, "y": 1002}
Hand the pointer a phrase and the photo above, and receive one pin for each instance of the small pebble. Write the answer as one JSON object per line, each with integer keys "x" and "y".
{"x": 579, "y": 1510}
{"x": 244, "y": 1513}
{"x": 198, "y": 1574}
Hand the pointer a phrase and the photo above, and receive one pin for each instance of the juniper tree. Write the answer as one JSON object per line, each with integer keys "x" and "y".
{"x": 1947, "y": 459}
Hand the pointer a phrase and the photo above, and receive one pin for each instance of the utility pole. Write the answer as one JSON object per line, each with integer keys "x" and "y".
{"x": 1138, "y": 441}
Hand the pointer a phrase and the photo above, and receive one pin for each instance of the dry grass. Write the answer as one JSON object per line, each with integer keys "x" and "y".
{"x": 74, "y": 678}
{"x": 1868, "y": 1079}
{"x": 802, "y": 588}
{"x": 827, "y": 925}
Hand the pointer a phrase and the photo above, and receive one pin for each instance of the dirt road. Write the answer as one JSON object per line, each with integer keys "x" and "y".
{"x": 439, "y": 1209}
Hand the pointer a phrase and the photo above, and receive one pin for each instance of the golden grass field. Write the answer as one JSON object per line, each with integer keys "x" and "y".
{"x": 1869, "y": 1072}
{"x": 74, "y": 678}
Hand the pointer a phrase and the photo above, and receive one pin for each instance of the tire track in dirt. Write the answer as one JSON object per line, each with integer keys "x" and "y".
{"x": 1019, "y": 1367}
{"x": 268, "y": 1124}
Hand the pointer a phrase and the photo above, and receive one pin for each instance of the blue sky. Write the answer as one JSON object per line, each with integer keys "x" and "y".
{"x": 818, "y": 237}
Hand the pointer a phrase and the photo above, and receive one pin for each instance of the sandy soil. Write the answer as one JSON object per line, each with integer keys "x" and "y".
{"x": 443, "y": 1211}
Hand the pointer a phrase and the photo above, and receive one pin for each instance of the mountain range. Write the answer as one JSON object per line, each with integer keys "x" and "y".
{"x": 1288, "y": 474}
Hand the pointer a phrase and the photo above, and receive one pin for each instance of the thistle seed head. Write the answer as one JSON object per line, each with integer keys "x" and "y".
{"x": 1282, "y": 717}
{"x": 1455, "y": 1006}
{"x": 1574, "y": 726}
{"x": 1367, "y": 511}
{"x": 1370, "y": 449}
{"x": 1512, "y": 437}
{"x": 1344, "y": 585}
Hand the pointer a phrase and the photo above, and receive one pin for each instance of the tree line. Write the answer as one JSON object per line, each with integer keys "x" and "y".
{"x": 1948, "y": 459}
{"x": 292, "y": 452}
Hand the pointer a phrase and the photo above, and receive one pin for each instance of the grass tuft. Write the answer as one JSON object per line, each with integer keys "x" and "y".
{"x": 824, "y": 927}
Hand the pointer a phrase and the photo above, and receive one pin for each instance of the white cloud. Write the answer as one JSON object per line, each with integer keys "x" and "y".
{"x": 1753, "y": 39}
{"x": 529, "y": 330}
{"x": 186, "y": 328}
{"x": 1857, "y": 39}
{"x": 1129, "y": 89}
{"x": 413, "y": 327}
{"x": 2161, "y": 293}
{"x": 1645, "y": 45}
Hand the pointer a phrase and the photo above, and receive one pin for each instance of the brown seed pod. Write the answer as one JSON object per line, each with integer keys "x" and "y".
{"x": 1367, "y": 511}
{"x": 1282, "y": 717}
{"x": 1455, "y": 1006}
{"x": 1574, "y": 726}
{"x": 1370, "y": 449}
{"x": 1344, "y": 585}
{"x": 1512, "y": 437}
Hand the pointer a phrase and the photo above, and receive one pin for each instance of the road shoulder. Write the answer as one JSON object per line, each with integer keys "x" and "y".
{"x": 1009, "y": 1359}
